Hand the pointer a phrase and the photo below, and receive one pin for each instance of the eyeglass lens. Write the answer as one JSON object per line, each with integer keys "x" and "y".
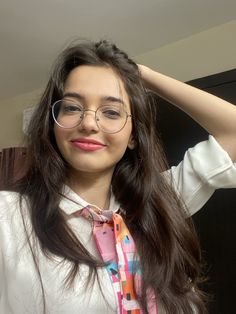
{"x": 110, "y": 118}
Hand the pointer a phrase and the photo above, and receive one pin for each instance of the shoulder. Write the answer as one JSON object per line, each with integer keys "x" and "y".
{"x": 9, "y": 203}
{"x": 8, "y": 196}
{"x": 15, "y": 224}
{"x": 12, "y": 208}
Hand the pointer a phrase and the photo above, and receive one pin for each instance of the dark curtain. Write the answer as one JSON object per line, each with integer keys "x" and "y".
{"x": 12, "y": 166}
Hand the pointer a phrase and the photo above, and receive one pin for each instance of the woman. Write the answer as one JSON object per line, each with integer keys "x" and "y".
{"x": 97, "y": 225}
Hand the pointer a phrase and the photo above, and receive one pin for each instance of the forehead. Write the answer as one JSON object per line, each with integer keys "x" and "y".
{"x": 95, "y": 81}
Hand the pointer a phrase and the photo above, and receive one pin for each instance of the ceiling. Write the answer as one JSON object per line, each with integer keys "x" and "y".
{"x": 33, "y": 32}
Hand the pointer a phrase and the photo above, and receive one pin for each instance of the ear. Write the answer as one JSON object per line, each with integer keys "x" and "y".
{"x": 131, "y": 143}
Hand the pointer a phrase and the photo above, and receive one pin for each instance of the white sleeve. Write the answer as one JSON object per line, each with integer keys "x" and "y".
{"x": 205, "y": 168}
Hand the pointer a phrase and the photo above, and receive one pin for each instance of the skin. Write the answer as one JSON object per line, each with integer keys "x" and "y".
{"x": 214, "y": 114}
{"x": 91, "y": 172}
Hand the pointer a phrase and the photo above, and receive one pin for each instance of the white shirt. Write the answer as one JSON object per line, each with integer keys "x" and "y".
{"x": 204, "y": 168}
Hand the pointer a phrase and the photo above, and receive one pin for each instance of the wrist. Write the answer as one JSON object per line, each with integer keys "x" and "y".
{"x": 146, "y": 74}
{"x": 144, "y": 70}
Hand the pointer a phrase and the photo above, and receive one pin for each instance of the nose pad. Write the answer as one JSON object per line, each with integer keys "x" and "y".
{"x": 89, "y": 121}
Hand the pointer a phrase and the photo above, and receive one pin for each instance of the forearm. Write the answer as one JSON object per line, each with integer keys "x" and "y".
{"x": 214, "y": 114}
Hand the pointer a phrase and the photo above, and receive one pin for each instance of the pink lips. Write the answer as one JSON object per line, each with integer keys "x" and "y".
{"x": 87, "y": 144}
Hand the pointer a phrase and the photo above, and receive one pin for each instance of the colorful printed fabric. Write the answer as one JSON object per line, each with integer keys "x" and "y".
{"x": 117, "y": 249}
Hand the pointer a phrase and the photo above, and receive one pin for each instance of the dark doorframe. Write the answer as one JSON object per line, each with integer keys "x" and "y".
{"x": 216, "y": 221}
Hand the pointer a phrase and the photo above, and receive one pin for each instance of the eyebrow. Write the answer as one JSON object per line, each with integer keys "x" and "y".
{"x": 104, "y": 98}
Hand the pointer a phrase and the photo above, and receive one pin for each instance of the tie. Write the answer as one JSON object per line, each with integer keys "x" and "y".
{"x": 117, "y": 249}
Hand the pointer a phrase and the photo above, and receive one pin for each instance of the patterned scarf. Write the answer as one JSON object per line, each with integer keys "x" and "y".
{"x": 117, "y": 249}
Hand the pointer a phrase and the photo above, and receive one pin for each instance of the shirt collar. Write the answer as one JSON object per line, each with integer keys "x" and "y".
{"x": 72, "y": 202}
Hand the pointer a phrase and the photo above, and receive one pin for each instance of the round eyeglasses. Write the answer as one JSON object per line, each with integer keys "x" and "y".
{"x": 110, "y": 118}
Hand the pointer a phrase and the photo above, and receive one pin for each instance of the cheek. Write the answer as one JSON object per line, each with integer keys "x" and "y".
{"x": 119, "y": 142}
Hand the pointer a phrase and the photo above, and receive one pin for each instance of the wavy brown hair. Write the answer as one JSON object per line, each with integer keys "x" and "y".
{"x": 166, "y": 241}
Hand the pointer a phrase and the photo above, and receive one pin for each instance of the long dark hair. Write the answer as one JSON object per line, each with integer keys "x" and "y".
{"x": 166, "y": 241}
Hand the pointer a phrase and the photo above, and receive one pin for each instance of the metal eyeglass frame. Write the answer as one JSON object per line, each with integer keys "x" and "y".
{"x": 83, "y": 112}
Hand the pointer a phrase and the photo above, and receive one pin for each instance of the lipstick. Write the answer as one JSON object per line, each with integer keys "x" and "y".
{"x": 87, "y": 144}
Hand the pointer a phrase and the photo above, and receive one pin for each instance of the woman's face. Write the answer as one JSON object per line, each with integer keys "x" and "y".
{"x": 85, "y": 147}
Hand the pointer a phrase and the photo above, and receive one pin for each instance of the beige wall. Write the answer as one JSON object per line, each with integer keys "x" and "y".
{"x": 11, "y": 117}
{"x": 205, "y": 53}
{"x": 202, "y": 54}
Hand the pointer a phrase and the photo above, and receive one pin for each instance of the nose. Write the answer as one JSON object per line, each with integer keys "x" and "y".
{"x": 88, "y": 122}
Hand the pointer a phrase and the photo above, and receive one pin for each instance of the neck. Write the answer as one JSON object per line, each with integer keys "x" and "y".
{"x": 93, "y": 188}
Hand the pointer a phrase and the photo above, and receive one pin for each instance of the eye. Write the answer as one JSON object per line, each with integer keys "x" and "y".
{"x": 70, "y": 108}
{"x": 111, "y": 112}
